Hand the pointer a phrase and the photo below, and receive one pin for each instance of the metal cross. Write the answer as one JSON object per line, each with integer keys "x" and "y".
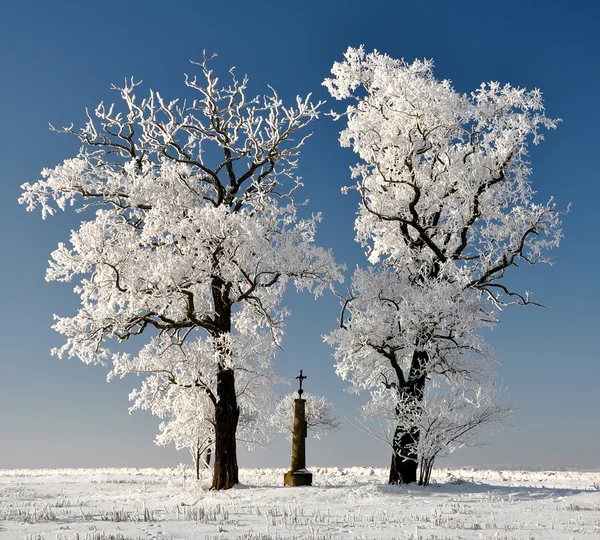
{"x": 301, "y": 378}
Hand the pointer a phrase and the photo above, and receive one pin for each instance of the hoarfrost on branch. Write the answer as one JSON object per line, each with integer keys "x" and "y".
{"x": 319, "y": 415}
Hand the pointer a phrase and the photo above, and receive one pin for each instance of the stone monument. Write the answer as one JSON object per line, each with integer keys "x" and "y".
{"x": 298, "y": 475}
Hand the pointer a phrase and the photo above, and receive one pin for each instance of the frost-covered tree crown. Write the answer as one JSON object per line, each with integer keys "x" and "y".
{"x": 169, "y": 222}
{"x": 444, "y": 177}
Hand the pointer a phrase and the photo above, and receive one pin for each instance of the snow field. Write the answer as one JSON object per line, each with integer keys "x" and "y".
{"x": 132, "y": 504}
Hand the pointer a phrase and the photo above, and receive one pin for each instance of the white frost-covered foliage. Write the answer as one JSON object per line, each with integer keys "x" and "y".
{"x": 319, "y": 415}
{"x": 193, "y": 241}
{"x": 447, "y": 207}
{"x": 447, "y": 418}
{"x": 444, "y": 177}
{"x": 187, "y": 411}
{"x": 188, "y": 421}
{"x": 386, "y": 317}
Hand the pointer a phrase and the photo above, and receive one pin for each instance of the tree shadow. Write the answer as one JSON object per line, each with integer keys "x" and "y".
{"x": 493, "y": 491}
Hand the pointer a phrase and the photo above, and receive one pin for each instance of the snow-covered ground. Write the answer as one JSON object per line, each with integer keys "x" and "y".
{"x": 131, "y": 504}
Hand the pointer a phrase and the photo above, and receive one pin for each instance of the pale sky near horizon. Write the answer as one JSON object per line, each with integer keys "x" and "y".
{"x": 59, "y": 58}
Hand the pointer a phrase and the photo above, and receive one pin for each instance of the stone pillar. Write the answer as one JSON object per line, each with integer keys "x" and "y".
{"x": 298, "y": 475}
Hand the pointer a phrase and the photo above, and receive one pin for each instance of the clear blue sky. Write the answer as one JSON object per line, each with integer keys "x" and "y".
{"x": 59, "y": 57}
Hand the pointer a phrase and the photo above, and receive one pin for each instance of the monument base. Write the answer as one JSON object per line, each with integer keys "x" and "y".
{"x": 301, "y": 477}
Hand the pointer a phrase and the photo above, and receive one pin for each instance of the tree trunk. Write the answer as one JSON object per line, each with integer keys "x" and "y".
{"x": 225, "y": 472}
{"x": 425, "y": 471}
{"x": 405, "y": 459}
{"x": 403, "y": 469}
{"x": 197, "y": 463}
{"x": 227, "y": 412}
{"x": 208, "y": 454}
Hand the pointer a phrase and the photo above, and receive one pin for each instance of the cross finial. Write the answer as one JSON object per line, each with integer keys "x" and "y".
{"x": 300, "y": 378}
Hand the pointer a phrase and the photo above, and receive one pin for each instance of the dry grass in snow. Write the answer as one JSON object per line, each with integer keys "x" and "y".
{"x": 132, "y": 504}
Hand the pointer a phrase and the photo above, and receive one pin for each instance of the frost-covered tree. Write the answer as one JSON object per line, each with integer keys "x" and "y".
{"x": 193, "y": 240}
{"x": 447, "y": 418}
{"x": 187, "y": 411}
{"x": 446, "y": 210}
{"x": 319, "y": 415}
{"x": 188, "y": 424}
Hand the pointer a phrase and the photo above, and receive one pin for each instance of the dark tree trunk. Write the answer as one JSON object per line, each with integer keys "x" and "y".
{"x": 425, "y": 472}
{"x": 227, "y": 412}
{"x": 405, "y": 460}
{"x": 225, "y": 472}
{"x": 403, "y": 469}
{"x": 197, "y": 463}
{"x": 208, "y": 453}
